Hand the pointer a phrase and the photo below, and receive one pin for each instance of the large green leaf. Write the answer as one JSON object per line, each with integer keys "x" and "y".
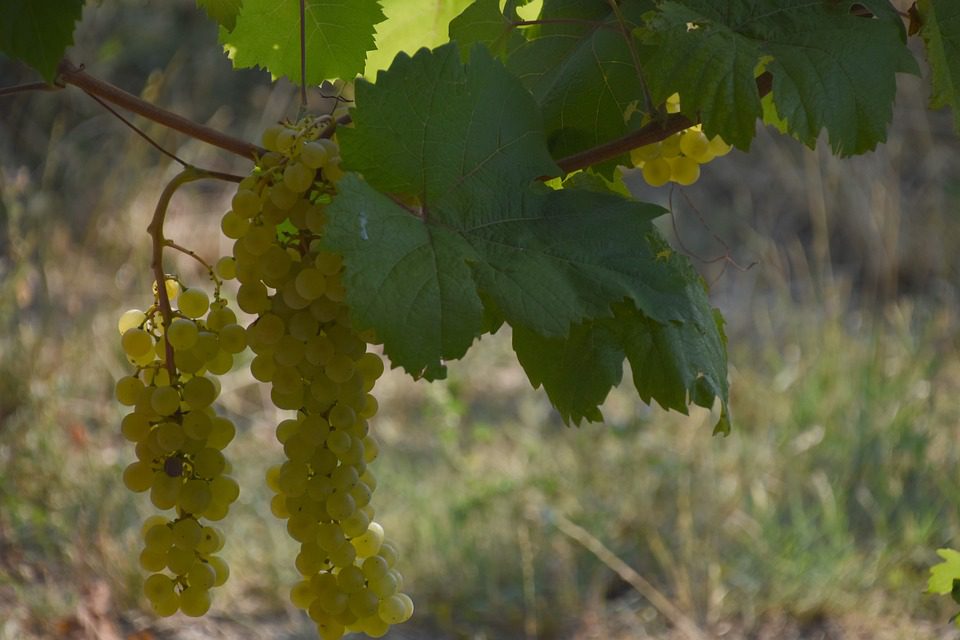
{"x": 338, "y": 35}
{"x": 450, "y": 228}
{"x": 941, "y": 33}
{"x": 831, "y": 69}
{"x": 673, "y": 363}
{"x": 410, "y": 25}
{"x": 223, "y": 12}
{"x": 484, "y": 22}
{"x": 38, "y": 32}
{"x": 579, "y": 67}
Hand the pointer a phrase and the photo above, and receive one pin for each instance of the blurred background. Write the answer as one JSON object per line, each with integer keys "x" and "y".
{"x": 817, "y": 518}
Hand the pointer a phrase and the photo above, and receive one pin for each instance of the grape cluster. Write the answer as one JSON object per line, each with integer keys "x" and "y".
{"x": 678, "y": 157}
{"x": 179, "y": 441}
{"x": 317, "y": 365}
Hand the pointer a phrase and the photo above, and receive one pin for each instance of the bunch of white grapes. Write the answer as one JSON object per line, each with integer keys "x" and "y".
{"x": 179, "y": 441}
{"x": 678, "y": 157}
{"x": 317, "y": 365}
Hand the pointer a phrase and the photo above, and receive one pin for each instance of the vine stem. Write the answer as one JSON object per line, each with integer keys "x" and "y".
{"x": 155, "y": 229}
{"x": 68, "y": 73}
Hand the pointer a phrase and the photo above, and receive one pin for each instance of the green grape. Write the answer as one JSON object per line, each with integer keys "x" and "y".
{"x": 370, "y": 542}
{"x": 193, "y": 303}
{"x": 298, "y": 177}
{"x": 357, "y": 523}
{"x": 135, "y": 427}
{"x": 670, "y": 146}
{"x": 159, "y": 537}
{"x": 330, "y": 536}
{"x": 185, "y": 533}
{"x": 131, "y": 319}
{"x": 694, "y": 144}
{"x": 284, "y": 140}
{"x": 384, "y": 585}
{"x": 645, "y": 153}
{"x": 343, "y": 556}
{"x": 221, "y": 568}
{"x": 194, "y": 601}
{"x": 182, "y": 333}
{"x": 170, "y": 435}
{"x": 158, "y": 586}
{"x": 245, "y": 203}
{"x": 234, "y": 226}
{"x": 656, "y": 172}
{"x": 199, "y": 392}
{"x": 301, "y": 595}
{"x": 164, "y": 490}
{"x": 684, "y": 170}
{"x": 211, "y": 541}
{"x": 718, "y": 147}
{"x": 350, "y": 579}
{"x": 209, "y": 462}
{"x": 138, "y": 477}
{"x": 153, "y": 560}
{"x": 201, "y": 576}
{"x": 224, "y": 490}
{"x": 395, "y": 609}
{"x": 259, "y": 239}
{"x": 222, "y": 433}
{"x": 128, "y": 390}
{"x": 226, "y": 267}
{"x": 136, "y": 342}
{"x": 195, "y": 496}
{"x": 374, "y": 626}
{"x": 364, "y": 602}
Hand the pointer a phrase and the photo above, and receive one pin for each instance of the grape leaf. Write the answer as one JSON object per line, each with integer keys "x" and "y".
{"x": 941, "y": 34}
{"x": 943, "y": 574}
{"x": 338, "y": 35}
{"x": 711, "y": 66}
{"x": 580, "y": 69}
{"x": 38, "y": 33}
{"x": 449, "y": 227}
{"x": 674, "y": 363}
{"x": 484, "y": 22}
{"x": 223, "y": 12}
{"x": 410, "y": 25}
{"x": 831, "y": 69}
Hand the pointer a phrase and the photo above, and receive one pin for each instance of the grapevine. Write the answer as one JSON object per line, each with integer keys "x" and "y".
{"x": 440, "y": 207}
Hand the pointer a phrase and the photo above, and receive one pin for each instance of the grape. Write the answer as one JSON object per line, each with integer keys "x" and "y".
{"x": 695, "y": 145}
{"x": 131, "y": 319}
{"x": 656, "y": 172}
{"x": 193, "y": 303}
{"x": 245, "y": 203}
{"x": 199, "y": 392}
{"x": 226, "y": 267}
{"x": 645, "y": 153}
{"x": 165, "y": 400}
{"x": 194, "y": 601}
{"x": 182, "y": 333}
{"x": 684, "y": 170}
{"x": 128, "y": 389}
{"x": 136, "y": 342}
{"x": 138, "y": 477}
{"x": 393, "y": 610}
{"x": 298, "y": 177}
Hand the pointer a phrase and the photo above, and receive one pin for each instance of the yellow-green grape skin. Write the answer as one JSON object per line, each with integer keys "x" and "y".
{"x": 165, "y": 400}
{"x": 136, "y": 342}
{"x": 645, "y": 153}
{"x": 128, "y": 390}
{"x": 656, "y": 172}
{"x": 245, "y": 203}
{"x": 221, "y": 568}
{"x": 138, "y": 477}
{"x": 182, "y": 333}
{"x": 694, "y": 144}
{"x": 394, "y": 609}
{"x": 673, "y": 103}
{"x": 199, "y": 392}
{"x": 298, "y": 177}
{"x": 314, "y": 154}
{"x": 234, "y": 226}
{"x": 194, "y": 602}
{"x": 719, "y": 147}
{"x": 131, "y": 319}
{"x": 226, "y": 267}
{"x": 670, "y": 146}
{"x": 684, "y": 171}
{"x": 193, "y": 303}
